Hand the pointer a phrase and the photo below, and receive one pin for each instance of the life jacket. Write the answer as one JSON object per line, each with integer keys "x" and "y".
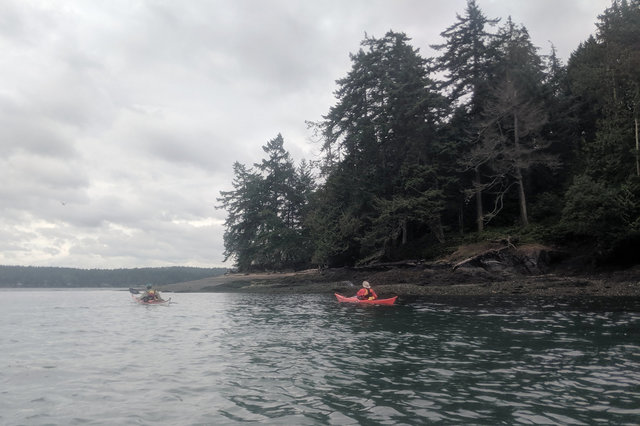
{"x": 149, "y": 295}
{"x": 366, "y": 294}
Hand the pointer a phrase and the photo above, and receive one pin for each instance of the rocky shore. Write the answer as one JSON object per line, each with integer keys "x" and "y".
{"x": 489, "y": 269}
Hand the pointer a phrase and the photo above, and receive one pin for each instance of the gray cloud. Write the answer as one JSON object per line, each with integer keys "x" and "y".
{"x": 120, "y": 121}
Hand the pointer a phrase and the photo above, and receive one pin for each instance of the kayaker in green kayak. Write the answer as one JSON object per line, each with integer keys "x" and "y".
{"x": 366, "y": 292}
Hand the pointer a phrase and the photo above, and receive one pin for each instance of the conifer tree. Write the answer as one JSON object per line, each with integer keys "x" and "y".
{"x": 386, "y": 118}
{"x": 604, "y": 81}
{"x": 466, "y": 63}
{"x": 515, "y": 115}
{"x": 604, "y": 78}
{"x": 242, "y": 225}
{"x": 465, "y": 58}
{"x": 266, "y": 208}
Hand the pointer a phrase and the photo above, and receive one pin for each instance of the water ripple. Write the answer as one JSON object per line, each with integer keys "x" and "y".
{"x": 226, "y": 359}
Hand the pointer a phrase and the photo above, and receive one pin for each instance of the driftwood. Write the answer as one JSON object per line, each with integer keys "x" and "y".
{"x": 481, "y": 257}
{"x": 387, "y": 265}
{"x": 509, "y": 242}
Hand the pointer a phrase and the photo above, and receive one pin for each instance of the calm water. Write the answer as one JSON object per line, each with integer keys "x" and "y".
{"x": 93, "y": 357}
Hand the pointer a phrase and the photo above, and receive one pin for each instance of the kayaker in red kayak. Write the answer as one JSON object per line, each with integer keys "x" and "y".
{"x": 366, "y": 292}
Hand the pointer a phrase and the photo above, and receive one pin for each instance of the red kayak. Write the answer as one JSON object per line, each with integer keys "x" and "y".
{"x": 354, "y": 299}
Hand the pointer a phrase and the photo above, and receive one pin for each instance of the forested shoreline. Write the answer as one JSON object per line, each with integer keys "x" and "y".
{"x": 488, "y": 139}
{"x": 52, "y": 277}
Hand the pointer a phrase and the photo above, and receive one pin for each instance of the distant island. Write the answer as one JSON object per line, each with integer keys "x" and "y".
{"x": 53, "y": 277}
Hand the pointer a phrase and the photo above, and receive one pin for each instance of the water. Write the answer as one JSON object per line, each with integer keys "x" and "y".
{"x": 93, "y": 357}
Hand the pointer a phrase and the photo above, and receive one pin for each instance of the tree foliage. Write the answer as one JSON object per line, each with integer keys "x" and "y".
{"x": 466, "y": 64}
{"x": 264, "y": 225}
{"x": 466, "y": 58}
{"x": 604, "y": 82}
{"x": 604, "y": 78}
{"x": 382, "y": 131}
{"x": 411, "y": 141}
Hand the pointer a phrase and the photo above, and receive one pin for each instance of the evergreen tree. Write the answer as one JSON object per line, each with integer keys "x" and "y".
{"x": 418, "y": 201}
{"x": 264, "y": 226}
{"x": 604, "y": 78}
{"x": 562, "y": 125}
{"x": 601, "y": 213}
{"x": 386, "y": 118}
{"x": 514, "y": 116}
{"x": 602, "y": 204}
{"x": 466, "y": 63}
{"x": 465, "y": 58}
{"x": 243, "y": 205}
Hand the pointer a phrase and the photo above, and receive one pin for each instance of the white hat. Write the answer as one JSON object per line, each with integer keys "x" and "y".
{"x": 365, "y": 284}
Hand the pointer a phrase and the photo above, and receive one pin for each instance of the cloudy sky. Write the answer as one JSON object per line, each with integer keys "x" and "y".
{"x": 120, "y": 120}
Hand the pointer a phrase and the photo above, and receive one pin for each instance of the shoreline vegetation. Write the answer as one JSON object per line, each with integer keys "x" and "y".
{"x": 479, "y": 270}
{"x": 417, "y": 155}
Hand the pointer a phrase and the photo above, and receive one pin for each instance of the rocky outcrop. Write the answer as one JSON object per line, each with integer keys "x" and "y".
{"x": 507, "y": 262}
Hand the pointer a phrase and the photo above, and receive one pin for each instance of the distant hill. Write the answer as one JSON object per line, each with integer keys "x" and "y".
{"x": 35, "y": 276}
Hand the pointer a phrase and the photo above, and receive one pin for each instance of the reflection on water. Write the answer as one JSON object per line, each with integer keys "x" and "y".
{"x": 73, "y": 357}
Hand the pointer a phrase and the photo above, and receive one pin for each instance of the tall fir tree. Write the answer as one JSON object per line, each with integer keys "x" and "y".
{"x": 386, "y": 118}
{"x": 515, "y": 113}
{"x": 266, "y": 208}
{"x": 242, "y": 225}
{"x": 465, "y": 58}
{"x": 465, "y": 62}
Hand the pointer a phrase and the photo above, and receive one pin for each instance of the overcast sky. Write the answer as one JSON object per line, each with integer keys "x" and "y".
{"x": 120, "y": 120}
